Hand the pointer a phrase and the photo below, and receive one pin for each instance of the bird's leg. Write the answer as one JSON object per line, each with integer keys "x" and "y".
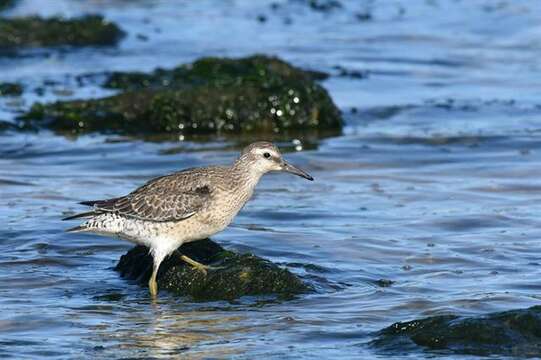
{"x": 152, "y": 283}
{"x": 196, "y": 265}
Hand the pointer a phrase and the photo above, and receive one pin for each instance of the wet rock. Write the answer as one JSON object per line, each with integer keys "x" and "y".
{"x": 6, "y": 4}
{"x": 10, "y": 89}
{"x": 363, "y": 16}
{"x": 355, "y": 74}
{"x": 384, "y": 282}
{"x": 4, "y": 125}
{"x": 324, "y": 5}
{"x": 260, "y": 70}
{"x": 516, "y": 333}
{"x": 256, "y": 94}
{"x": 35, "y": 31}
{"x": 236, "y": 275}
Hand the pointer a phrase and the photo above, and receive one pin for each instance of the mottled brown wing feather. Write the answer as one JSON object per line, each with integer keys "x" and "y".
{"x": 158, "y": 206}
{"x": 169, "y": 198}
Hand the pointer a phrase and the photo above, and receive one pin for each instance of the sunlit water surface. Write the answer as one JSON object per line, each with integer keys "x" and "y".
{"x": 427, "y": 204}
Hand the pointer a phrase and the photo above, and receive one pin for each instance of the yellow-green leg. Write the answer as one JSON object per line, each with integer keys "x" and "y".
{"x": 152, "y": 283}
{"x": 195, "y": 264}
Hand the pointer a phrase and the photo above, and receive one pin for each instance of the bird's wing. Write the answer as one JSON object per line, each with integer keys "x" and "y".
{"x": 169, "y": 198}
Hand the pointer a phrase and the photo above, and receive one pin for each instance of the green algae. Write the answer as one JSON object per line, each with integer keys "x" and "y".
{"x": 257, "y": 94}
{"x": 11, "y": 89}
{"x": 234, "y": 275}
{"x": 35, "y": 31}
{"x": 213, "y": 71}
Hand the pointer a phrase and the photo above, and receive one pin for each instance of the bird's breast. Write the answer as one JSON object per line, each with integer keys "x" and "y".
{"x": 218, "y": 213}
{"x": 224, "y": 206}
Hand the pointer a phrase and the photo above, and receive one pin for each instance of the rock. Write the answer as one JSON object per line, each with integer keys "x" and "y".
{"x": 4, "y": 125}
{"x": 515, "y": 332}
{"x": 356, "y": 74}
{"x": 35, "y": 31}
{"x": 259, "y": 69}
{"x": 363, "y": 16}
{"x": 236, "y": 275}
{"x": 6, "y": 4}
{"x": 10, "y": 89}
{"x": 256, "y": 94}
{"x": 324, "y": 5}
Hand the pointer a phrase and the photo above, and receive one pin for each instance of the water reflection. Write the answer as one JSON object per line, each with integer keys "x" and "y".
{"x": 160, "y": 331}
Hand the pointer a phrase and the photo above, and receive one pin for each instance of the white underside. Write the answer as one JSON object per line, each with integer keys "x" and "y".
{"x": 162, "y": 238}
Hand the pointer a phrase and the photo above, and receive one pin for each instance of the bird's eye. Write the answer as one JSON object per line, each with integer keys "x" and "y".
{"x": 267, "y": 155}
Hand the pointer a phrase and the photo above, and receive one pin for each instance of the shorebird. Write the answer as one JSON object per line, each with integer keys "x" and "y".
{"x": 185, "y": 206}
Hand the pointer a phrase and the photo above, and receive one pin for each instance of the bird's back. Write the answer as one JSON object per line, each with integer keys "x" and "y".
{"x": 212, "y": 195}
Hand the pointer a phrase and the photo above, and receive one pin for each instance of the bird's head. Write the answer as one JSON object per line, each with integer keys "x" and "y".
{"x": 263, "y": 157}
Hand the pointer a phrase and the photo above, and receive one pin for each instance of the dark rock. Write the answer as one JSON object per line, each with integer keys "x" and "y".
{"x": 10, "y": 89}
{"x": 363, "y": 16}
{"x": 265, "y": 71}
{"x": 516, "y": 333}
{"x": 6, "y": 4}
{"x": 356, "y": 74}
{"x": 35, "y": 31}
{"x": 257, "y": 94}
{"x": 236, "y": 275}
{"x": 142, "y": 37}
{"x": 324, "y": 5}
{"x": 384, "y": 282}
{"x": 4, "y": 125}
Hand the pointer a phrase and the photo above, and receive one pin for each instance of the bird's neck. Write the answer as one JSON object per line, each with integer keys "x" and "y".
{"x": 247, "y": 177}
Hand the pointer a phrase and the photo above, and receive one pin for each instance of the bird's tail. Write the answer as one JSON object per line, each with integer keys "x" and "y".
{"x": 80, "y": 215}
{"x": 78, "y": 228}
{"x": 82, "y": 227}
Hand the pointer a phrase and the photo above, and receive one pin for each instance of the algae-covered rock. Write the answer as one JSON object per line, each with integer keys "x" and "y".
{"x": 35, "y": 31}
{"x": 260, "y": 69}
{"x": 5, "y": 4}
{"x": 516, "y": 332}
{"x": 4, "y": 125}
{"x": 235, "y": 275}
{"x": 213, "y": 95}
{"x": 10, "y": 89}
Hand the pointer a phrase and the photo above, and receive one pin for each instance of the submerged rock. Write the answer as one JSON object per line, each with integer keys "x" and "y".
{"x": 235, "y": 275}
{"x": 35, "y": 31}
{"x": 10, "y": 89}
{"x": 324, "y": 5}
{"x": 213, "y": 95}
{"x": 516, "y": 332}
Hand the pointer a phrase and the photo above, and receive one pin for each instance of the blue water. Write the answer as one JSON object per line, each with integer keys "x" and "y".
{"x": 433, "y": 185}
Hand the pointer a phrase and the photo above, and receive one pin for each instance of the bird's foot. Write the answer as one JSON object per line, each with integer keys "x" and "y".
{"x": 197, "y": 265}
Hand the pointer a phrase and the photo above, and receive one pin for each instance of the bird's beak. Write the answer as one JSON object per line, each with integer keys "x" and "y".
{"x": 296, "y": 171}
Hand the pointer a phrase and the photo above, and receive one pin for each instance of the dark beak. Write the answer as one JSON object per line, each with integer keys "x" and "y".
{"x": 295, "y": 170}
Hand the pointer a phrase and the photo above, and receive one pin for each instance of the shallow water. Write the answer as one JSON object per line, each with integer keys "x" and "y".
{"x": 433, "y": 185}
